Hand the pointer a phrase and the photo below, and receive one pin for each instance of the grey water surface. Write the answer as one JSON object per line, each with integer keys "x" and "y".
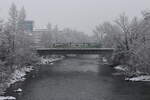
{"x": 82, "y": 78}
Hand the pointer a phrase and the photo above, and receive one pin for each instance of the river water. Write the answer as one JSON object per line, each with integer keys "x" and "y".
{"x": 81, "y": 78}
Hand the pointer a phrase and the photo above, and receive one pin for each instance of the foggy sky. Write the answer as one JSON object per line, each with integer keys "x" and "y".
{"x": 82, "y": 15}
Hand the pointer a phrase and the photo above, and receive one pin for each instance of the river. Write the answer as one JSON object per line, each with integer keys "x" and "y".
{"x": 81, "y": 78}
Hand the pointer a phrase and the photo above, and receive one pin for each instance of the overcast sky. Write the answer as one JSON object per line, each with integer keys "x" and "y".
{"x": 82, "y": 15}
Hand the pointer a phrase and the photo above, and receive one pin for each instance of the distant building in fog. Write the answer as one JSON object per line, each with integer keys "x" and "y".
{"x": 37, "y": 34}
{"x": 28, "y": 25}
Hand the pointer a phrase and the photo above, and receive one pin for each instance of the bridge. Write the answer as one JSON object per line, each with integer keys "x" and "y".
{"x": 50, "y": 51}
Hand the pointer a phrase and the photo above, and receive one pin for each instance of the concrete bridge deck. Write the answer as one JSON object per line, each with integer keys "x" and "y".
{"x": 49, "y": 51}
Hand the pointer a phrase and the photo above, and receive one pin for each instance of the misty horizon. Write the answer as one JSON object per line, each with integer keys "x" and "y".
{"x": 81, "y": 15}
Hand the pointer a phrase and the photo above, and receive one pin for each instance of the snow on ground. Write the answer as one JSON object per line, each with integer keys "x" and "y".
{"x": 18, "y": 75}
{"x": 139, "y": 78}
{"x": 7, "y": 98}
{"x": 18, "y": 90}
{"x": 104, "y": 60}
{"x": 49, "y": 60}
{"x": 121, "y": 68}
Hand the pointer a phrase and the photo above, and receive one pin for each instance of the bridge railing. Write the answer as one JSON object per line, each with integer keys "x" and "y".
{"x": 76, "y": 45}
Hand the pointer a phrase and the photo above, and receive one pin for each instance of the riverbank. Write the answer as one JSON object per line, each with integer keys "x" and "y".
{"x": 134, "y": 77}
{"x": 19, "y": 75}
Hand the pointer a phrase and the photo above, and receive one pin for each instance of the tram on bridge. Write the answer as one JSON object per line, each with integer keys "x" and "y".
{"x": 76, "y": 45}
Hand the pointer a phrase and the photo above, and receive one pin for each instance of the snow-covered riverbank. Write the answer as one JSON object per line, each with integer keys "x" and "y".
{"x": 50, "y": 60}
{"x": 138, "y": 77}
{"x": 19, "y": 74}
{"x": 7, "y": 98}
